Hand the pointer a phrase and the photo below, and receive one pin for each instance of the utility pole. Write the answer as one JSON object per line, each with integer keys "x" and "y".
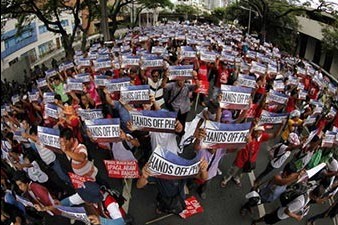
{"x": 104, "y": 20}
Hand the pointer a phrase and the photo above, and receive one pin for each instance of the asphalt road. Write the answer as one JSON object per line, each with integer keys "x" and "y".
{"x": 220, "y": 208}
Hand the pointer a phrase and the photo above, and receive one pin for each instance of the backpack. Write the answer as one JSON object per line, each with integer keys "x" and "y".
{"x": 292, "y": 193}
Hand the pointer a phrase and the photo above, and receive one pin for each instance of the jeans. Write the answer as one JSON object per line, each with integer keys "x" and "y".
{"x": 266, "y": 171}
{"x": 56, "y": 166}
{"x": 10, "y": 199}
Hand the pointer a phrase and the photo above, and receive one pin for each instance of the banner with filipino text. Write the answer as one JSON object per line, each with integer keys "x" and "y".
{"x": 246, "y": 81}
{"x": 77, "y": 180}
{"x": 151, "y": 62}
{"x": 122, "y": 169}
{"x": 100, "y": 80}
{"x": 74, "y": 85}
{"x": 51, "y": 110}
{"x": 114, "y": 85}
{"x": 84, "y": 77}
{"x": 66, "y": 66}
{"x": 128, "y": 61}
{"x": 48, "y": 97}
{"x": 33, "y": 96}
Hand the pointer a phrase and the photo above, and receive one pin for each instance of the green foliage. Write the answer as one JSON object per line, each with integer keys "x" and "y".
{"x": 152, "y": 4}
{"x": 219, "y": 13}
{"x": 330, "y": 37}
{"x": 186, "y": 9}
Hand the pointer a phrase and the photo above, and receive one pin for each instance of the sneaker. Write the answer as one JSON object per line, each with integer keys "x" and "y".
{"x": 237, "y": 182}
{"x": 225, "y": 181}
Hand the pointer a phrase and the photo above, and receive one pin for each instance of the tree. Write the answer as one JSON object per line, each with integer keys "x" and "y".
{"x": 48, "y": 13}
{"x": 186, "y": 9}
{"x": 272, "y": 20}
{"x": 330, "y": 37}
{"x": 150, "y": 4}
{"x": 219, "y": 13}
{"x": 92, "y": 10}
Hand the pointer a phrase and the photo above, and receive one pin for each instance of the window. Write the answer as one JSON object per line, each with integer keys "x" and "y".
{"x": 13, "y": 61}
{"x": 45, "y": 48}
{"x": 12, "y": 41}
{"x": 42, "y": 29}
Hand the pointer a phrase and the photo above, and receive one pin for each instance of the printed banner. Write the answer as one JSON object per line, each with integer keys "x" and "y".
{"x": 258, "y": 67}
{"x": 272, "y": 118}
{"x": 76, "y": 213}
{"x": 104, "y": 130}
{"x": 158, "y": 121}
{"x": 292, "y": 81}
{"x": 122, "y": 169}
{"x": 100, "y": 80}
{"x": 332, "y": 112}
{"x": 78, "y": 180}
{"x": 90, "y": 114}
{"x": 275, "y": 96}
{"x": 15, "y": 99}
{"x": 278, "y": 85}
{"x": 203, "y": 88}
{"x": 187, "y": 52}
{"x": 49, "y": 137}
{"x": 208, "y": 56}
{"x": 66, "y": 66}
{"x": 329, "y": 139}
{"x": 51, "y": 73}
{"x": 74, "y": 85}
{"x": 135, "y": 94}
{"x": 227, "y": 57}
{"x": 246, "y": 81}
{"x": 128, "y": 61}
{"x": 84, "y": 62}
{"x": 157, "y": 49}
{"x": 310, "y": 120}
{"x": 51, "y": 110}
{"x": 234, "y": 97}
{"x": 301, "y": 71}
{"x": 48, "y": 97}
{"x": 302, "y": 94}
{"x": 102, "y": 64}
{"x": 251, "y": 55}
{"x": 166, "y": 165}
{"x": 220, "y": 135}
{"x": 114, "y": 85}
{"x": 180, "y": 72}
{"x": 84, "y": 77}
{"x": 192, "y": 207}
{"x": 33, "y": 96}
{"x": 151, "y": 62}
{"x": 310, "y": 137}
{"x": 272, "y": 69}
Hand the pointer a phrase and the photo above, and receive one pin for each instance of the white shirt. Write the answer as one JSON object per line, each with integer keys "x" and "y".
{"x": 166, "y": 140}
{"x": 36, "y": 174}
{"x": 296, "y": 206}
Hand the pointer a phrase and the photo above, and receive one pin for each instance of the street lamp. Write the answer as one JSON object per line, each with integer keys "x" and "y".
{"x": 250, "y": 10}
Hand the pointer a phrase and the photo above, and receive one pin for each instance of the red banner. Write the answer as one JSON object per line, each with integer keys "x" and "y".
{"x": 204, "y": 87}
{"x": 77, "y": 180}
{"x": 192, "y": 207}
{"x": 122, "y": 169}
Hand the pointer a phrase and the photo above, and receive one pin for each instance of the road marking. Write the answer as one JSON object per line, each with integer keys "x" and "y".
{"x": 261, "y": 209}
{"x": 127, "y": 193}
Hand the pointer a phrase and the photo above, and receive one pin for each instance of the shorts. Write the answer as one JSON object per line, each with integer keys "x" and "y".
{"x": 272, "y": 218}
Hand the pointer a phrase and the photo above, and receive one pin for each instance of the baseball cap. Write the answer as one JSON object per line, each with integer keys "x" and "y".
{"x": 226, "y": 116}
{"x": 90, "y": 192}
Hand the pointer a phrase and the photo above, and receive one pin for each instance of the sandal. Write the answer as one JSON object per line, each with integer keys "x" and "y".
{"x": 224, "y": 182}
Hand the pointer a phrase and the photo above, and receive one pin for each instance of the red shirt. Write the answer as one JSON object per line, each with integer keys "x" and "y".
{"x": 203, "y": 72}
{"x": 253, "y": 147}
{"x": 291, "y": 105}
{"x": 223, "y": 75}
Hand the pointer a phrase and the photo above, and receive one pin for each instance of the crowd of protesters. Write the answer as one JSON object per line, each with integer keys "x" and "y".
{"x": 307, "y": 136}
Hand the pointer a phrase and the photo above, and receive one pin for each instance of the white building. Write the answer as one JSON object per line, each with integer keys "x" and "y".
{"x": 34, "y": 42}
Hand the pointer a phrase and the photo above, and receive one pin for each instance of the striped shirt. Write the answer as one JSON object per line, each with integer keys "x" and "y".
{"x": 85, "y": 168}
{"x": 47, "y": 156}
{"x": 156, "y": 90}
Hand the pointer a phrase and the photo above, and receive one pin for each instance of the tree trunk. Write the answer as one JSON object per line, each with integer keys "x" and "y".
{"x": 68, "y": 47}
{"x": 84, "y": 41}
{"x": 114, "y": 25}
{"x": 104, "y": 20}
